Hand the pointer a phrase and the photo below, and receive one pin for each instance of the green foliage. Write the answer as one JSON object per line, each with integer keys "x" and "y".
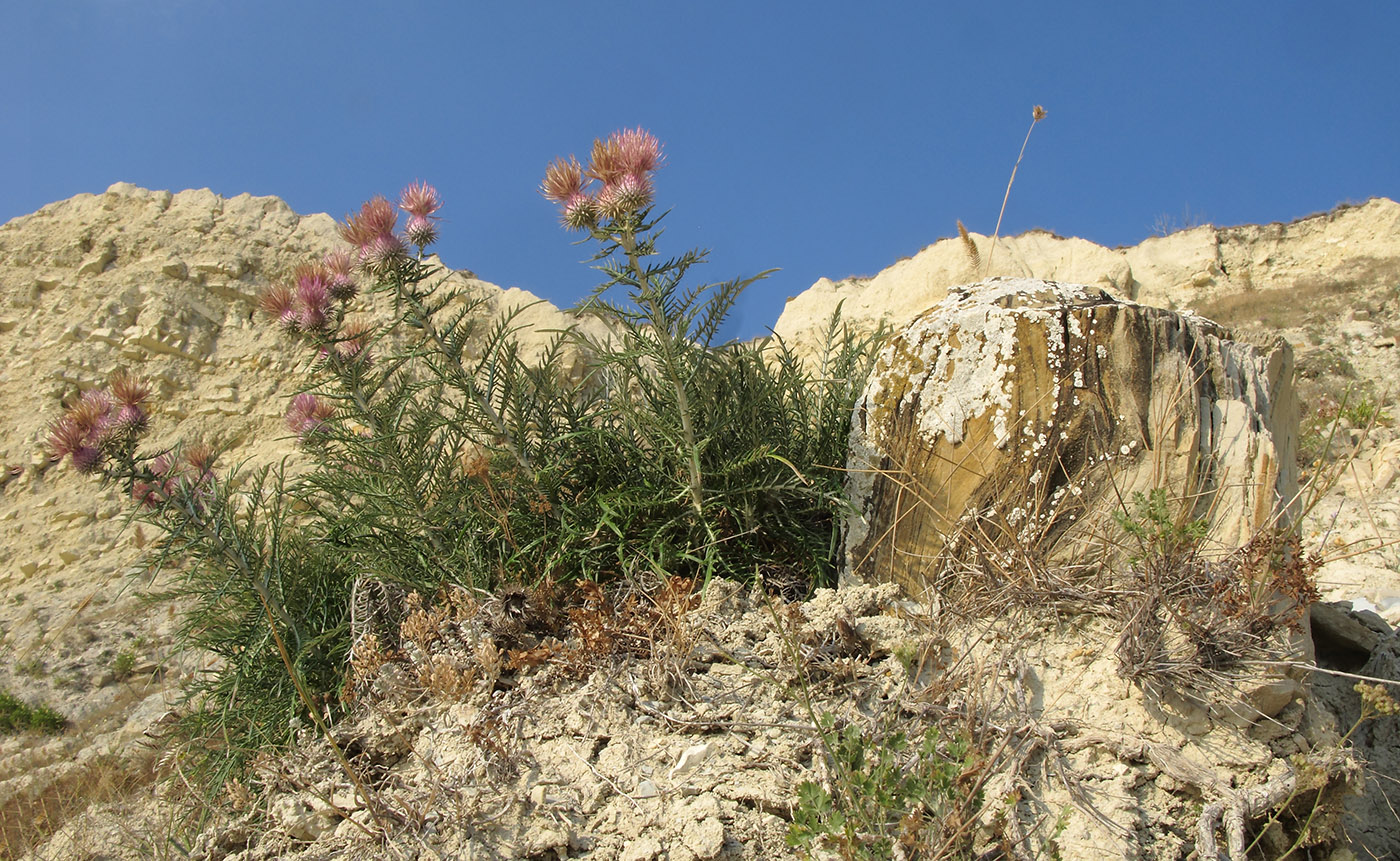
{"x": 254, "y": 582}
{"x": 123, "y": 664}
{"x": 1158, "y": 530}
{"x": 440, "y": 455}
{"x": 18, "y": 716}
{"x": 670, "y": 453}
{"x": 887, "y": 792}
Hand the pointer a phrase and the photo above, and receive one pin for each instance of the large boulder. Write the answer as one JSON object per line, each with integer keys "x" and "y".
{"x": 1025, "y": 414}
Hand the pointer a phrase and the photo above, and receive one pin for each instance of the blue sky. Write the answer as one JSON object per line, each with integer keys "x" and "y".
{"x": 827, "y": 139}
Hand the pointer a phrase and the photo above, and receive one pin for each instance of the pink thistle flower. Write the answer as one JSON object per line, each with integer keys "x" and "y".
{"x": 382, "y": 254}
{"x": 420, "y": 200}
{"x": 307, "y": 413}
{"x": 339, "y": 266}
{"x": 129, "y": 422}
{"x": 376, "y": 218}
{"x": 580, "y": 213}
{"x": 129, "y": 389}
{"x": 146, "y": 494}
{"x": 66, "y": 436}
{"x": 420, "y": 231}
{"x": 87, "y": 459}
{"x": 312, "y": 300}
{"x": 622, "y": 198}
{"x": 638, "y": 150}
{"x": 563, "y": 180}
{"x": 278, "y": 302}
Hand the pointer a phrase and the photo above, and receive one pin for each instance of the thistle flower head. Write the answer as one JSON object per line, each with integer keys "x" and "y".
{"x": 66, "y": 436}
{"x": 340, "y": 279}
{"x": 420, "y": 200}
{"x": 91, "y": 412}
{"x": 87, "y": 459}
{"x": 382, "y": 254}
{"x": 307, "y": 413}
{"x": 420, "y": 231}
{"x": 580, "y": 213}
{"x": 375, "y": 219}
{"x": 638, "y": 150}
{"x": 129, "y": 389}
{"x": 279, "y": 303}
{"x": 563, "y": 180}
{"x": 630, "y": 151}
{"x": 199, "y": 457}
{"x": 630, "y": 193}
{"x": 605, "y": 162}
{"x": 128, "y": 423}
{"x": 312, "y": 303}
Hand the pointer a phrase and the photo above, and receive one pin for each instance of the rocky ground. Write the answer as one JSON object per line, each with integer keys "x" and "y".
{"x": 694, "y": 746}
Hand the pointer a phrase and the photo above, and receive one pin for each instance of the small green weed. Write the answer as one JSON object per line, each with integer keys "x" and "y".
{"x": 1158, "y": 531}
{"x": 123, "y": 664}
{"x": 18, "y": 716}
{"x": 890, "y": 795}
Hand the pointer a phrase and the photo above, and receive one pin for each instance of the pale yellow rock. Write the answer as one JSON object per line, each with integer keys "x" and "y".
{"x": 1025, "y": 412}
{"x": 1179, "y": 270}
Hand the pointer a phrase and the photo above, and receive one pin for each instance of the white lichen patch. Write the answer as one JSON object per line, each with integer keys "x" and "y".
{"x": 968, "y": 343}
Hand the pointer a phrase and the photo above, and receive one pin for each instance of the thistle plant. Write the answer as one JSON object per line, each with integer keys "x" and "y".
{"x": 439, "y": 456}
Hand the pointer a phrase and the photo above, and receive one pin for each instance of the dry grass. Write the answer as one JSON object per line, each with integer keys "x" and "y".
{"x": 1307, "y": 300}
{"x": 28, "y": 819}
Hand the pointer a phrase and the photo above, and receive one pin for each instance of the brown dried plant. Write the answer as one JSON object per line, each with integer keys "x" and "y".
{"x": 1037, "y": 114}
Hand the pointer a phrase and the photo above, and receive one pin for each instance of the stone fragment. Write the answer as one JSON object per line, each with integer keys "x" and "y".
{"x": 642, "y": 849}
{"x": 691, "y": 758}
{"x": 705, "y": 837}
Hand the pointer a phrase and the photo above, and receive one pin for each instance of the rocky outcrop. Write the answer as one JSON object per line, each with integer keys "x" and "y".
{"x": 1028, "y": 413}
{"x": 1181, "y": 270}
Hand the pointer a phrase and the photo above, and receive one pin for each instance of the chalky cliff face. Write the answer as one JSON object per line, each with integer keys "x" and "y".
{"x": 1027, "y": 411}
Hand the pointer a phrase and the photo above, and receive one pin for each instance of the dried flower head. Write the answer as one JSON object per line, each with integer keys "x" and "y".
{"x": 1376, "y": 700}
{"x": 1037, "y": 113}
{"x": 376, "y": 218}
{"x": 66, "y": 436}
{"x": 563, "y": 180}
{"x": 92, "y": 410}
{"x": 129, "y": 389}
{"x": 199, "y": 457}
{"x": 605, "y": 162}
{"x": 279, "y": 303}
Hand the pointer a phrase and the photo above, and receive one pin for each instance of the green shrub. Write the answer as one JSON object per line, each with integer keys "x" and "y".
{"x": 441, "y": 456}
{"x": 18, "y": 716}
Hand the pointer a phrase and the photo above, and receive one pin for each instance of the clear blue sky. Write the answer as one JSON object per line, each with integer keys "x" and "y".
{"x": 828, "y": 139}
